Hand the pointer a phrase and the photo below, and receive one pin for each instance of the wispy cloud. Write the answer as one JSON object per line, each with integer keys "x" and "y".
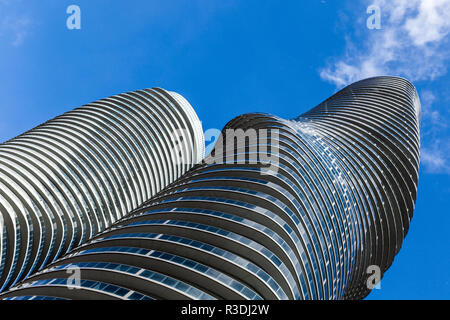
{"x": 430, "y": 114}
{"x": 435, "y": 152}
{"x": 412, "y": 43}
{"x": 435, "y": 157}
{"x": 15, "y": 29}
{"x": 14, "y": 24}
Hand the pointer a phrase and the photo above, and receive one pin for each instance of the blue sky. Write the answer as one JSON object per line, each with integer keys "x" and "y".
{"x": 229, "y": 57}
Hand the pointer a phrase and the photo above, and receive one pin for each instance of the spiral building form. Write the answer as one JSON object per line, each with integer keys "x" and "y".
{"x": 299, "y": 212}
{"x": 72, "y": 177}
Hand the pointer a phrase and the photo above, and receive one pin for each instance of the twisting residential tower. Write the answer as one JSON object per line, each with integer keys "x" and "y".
{"x": 68, "y": 179}
{"x": 282, "y": 209}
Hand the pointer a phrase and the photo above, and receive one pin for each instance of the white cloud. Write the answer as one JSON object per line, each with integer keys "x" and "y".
{"x": 412, "y": 43}
{"x": 431, "y": 24}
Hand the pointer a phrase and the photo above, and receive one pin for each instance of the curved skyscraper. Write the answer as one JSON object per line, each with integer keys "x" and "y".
{"x": 282, "y": 209}
{"x": 68, "y": 179}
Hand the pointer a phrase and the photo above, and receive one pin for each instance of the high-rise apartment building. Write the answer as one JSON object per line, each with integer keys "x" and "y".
{"x": 282, "y": 209}
{"x": 72, "y": 177}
